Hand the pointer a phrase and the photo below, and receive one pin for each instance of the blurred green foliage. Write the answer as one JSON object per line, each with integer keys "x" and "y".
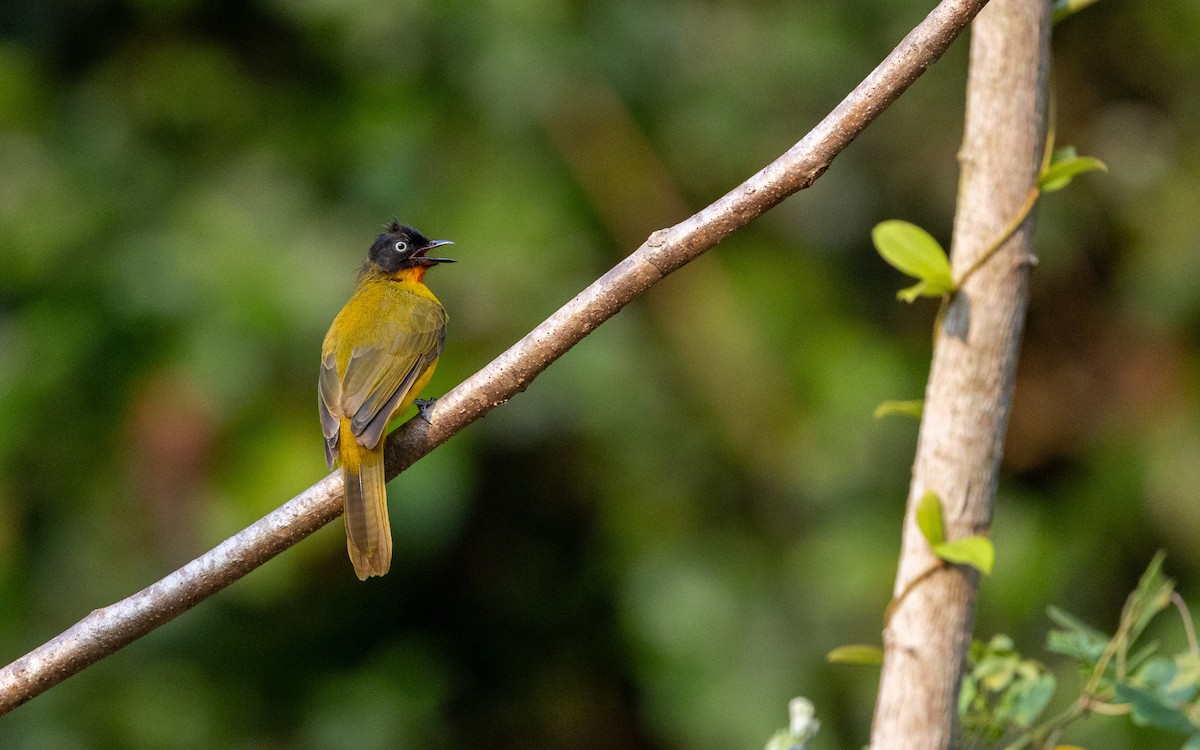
{"x": 657, "y": 543}
{"x": 1004, "y": 696}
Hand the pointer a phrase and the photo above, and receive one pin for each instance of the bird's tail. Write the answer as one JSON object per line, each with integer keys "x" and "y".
{"x": 368, "y": 534}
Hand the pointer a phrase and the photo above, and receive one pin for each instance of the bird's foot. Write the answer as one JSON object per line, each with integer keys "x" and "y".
{"x": 423, "y": 406}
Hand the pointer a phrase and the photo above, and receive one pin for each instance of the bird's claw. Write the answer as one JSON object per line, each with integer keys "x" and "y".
{"x": 423, "y": 405}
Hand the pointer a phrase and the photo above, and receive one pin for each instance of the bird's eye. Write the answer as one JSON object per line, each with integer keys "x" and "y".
{"x": 401, "y": 246}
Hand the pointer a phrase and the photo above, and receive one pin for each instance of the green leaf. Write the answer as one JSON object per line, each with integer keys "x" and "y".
{"x": 1077, "y": 639}
{"x": 1065, "y": 165}
{"x": 1172, "y": 681}
{"x": 996, "y": 672}
{"x": 1001, "y": 644}
{"x": 913, "y": 408}
{"x": 1150, "y": 710}
{"x": 976, "y": 551}
{"x": 1152, "y": 595}
{"x": 1032, "y": 700}
{"x": 929, "y": 518}
{"x": 1002, "y": 691}
{"x": 1065, "y": 619}
{"x": 967, "y": 693}
{"x": 1062, "y": 9}
{"x": 913, "y": 251}
{"x": 1186, "y": 682}
{"x": 856, "y": 654}
{"x": 920, "y": 289}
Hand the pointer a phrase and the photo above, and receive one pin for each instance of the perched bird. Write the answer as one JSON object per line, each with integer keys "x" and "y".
{"x": 379, "y": 353}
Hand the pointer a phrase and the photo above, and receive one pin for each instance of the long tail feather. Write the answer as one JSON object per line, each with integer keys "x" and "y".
{"x": 368, "y": 533}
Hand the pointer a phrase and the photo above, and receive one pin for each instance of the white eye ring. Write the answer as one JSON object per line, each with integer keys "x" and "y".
{"x": 401, "y": 246}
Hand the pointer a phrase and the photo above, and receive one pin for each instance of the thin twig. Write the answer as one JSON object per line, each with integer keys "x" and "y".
{"x": 1117, "y": 647}
{"x": 898, "y": 599}
{"x": 1022, "y": 213}
{"x": 1030, "y": 201}
{"x": 1188, "y": 626}
{"x": 106, "y": 630}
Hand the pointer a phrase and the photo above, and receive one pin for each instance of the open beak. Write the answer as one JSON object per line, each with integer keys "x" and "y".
{"x": 432, "y": 244}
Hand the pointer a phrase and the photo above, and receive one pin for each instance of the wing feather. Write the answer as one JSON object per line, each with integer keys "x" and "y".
{"x": 378, "y": 379}
{"x": 329, "y": 404}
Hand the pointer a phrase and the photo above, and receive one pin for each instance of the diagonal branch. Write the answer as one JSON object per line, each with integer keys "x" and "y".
{"x": 106, "y": 630}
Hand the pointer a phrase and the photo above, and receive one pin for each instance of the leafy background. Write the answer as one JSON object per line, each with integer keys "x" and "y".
{"x": 655, "y": 545}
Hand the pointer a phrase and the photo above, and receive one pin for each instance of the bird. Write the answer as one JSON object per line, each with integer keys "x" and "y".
{"x": 379, "y": 353}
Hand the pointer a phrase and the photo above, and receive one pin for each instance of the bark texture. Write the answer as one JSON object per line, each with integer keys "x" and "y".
{"x": 970, "y": 387}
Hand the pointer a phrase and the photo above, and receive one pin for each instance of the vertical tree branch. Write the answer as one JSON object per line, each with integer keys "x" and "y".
{"x": 969, "y": 394}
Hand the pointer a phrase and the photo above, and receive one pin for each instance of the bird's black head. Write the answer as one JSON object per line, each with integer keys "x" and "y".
{"x": 401, "y": 247}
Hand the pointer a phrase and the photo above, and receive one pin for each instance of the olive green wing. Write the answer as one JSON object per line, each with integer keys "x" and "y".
{"x": 378, "y": 378}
